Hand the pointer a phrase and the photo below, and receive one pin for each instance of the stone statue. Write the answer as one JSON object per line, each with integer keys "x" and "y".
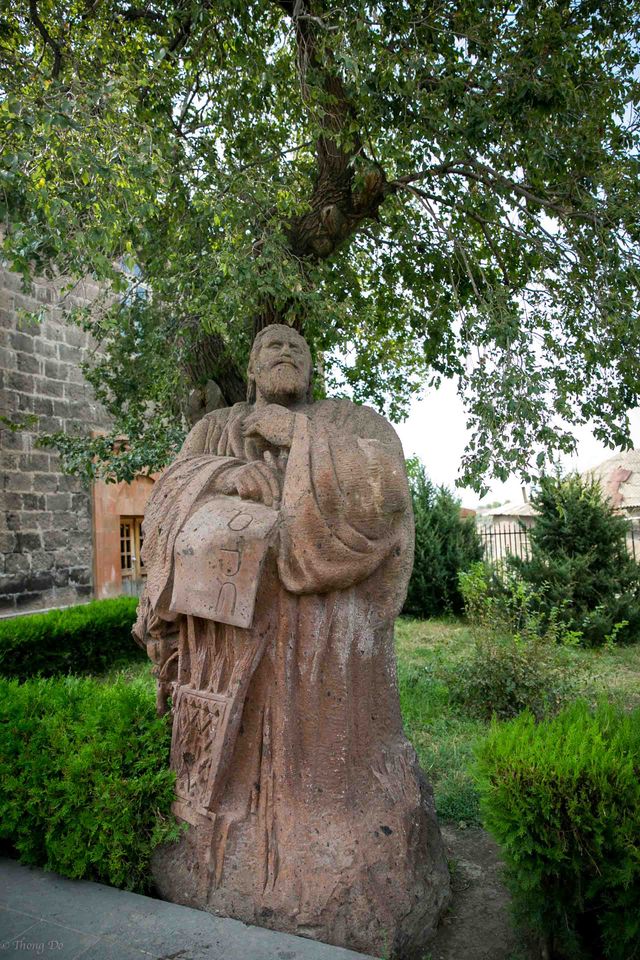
{"x": 279, "y": 546}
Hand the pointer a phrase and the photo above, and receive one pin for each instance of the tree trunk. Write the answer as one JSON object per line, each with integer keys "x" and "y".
{"x": 208, "y": 359}
{"x": 336, "y": 209}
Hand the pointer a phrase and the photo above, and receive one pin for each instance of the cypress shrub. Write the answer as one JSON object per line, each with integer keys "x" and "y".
{"x": 82, "y": 639}
{"x": 445, "y": 544}
{"x": 85, "y": 785}
{"x": 579, "y": 566}
{"x": 562, "y": 798}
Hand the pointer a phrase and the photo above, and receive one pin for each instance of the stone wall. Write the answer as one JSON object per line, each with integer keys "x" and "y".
{"x": 46, "y": 553}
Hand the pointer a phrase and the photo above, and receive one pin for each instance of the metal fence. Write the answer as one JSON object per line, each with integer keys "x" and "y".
{"x": 512, "y": 540}
{"x": 505, "y": 540}
{"x": 633, "y": 539}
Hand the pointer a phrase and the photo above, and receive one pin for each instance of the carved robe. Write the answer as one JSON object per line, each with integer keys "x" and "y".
{"x": 308, "y": 810}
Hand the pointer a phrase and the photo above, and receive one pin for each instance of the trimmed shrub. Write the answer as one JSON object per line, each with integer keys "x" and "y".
{"x": 83, "y": 639}
{"x": 579, "y": 564}
{"x": 446, "y": 543}
{"x": 562, "y": 798}
{"x": 85, "y": 785}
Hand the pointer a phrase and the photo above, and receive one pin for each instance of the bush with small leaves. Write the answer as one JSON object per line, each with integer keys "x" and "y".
{"x": 562, "y": 798}
{"x": 517, "y": 663}
{"x": 507, "y": 675}
{"x": 85, "y": 785}
{"x": 83, "y": 639}
{"x": 497, "y": 599}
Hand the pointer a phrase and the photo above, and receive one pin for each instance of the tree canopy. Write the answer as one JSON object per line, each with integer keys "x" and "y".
{"x": 427, "y": 189}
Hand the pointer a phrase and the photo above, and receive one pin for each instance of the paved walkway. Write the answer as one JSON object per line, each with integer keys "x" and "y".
{"x": 42, "y": 914}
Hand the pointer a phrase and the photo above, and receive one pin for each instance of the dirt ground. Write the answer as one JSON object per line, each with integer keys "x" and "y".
{"x": 477, "y": 925}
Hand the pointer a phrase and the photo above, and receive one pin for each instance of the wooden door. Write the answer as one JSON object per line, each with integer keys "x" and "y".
{"x": 131, "y": 565}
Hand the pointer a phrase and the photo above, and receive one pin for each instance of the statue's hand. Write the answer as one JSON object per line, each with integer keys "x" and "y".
{"x": 274, "y": 423}
{"x": 253, "y": 481}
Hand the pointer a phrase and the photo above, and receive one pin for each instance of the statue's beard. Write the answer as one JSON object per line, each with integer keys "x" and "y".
{"x": 284, "y": 385}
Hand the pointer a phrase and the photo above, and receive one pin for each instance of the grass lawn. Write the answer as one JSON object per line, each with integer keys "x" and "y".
{"x": 444, "y": 736}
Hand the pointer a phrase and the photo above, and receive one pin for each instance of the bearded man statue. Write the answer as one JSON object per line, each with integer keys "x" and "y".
{"x": 279, "y": 547}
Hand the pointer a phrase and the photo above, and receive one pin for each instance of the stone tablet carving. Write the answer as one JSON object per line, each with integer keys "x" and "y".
{"x": 279, "y": 547}
{"x": 218, "y": 557}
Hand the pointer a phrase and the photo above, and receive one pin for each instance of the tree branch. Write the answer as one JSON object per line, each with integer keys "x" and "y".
{"x": 434, "y": 171}
{"x": 336, "y": 208}
{"x": 47, "y": 39}
{"x": 133, "y": 14}
{"x": 482, "y": 173}
{"x": 181, "y": 37}
{"x": 482, "y": 222}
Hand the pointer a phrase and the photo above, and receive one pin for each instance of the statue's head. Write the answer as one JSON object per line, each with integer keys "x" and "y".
{"x": 280, "y": 367}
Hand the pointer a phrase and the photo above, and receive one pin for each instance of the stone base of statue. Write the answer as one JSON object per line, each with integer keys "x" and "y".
{"x": 370, "y": 877}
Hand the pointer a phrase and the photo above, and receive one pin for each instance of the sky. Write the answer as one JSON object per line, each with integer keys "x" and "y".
{"x": 435, "y": 431}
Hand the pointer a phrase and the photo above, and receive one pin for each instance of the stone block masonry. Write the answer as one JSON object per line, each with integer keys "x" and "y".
{"x": 46, "y": 550}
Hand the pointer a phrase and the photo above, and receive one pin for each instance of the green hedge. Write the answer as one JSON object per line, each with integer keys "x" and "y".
{"x": 562, "y": 798}
{"x": 85, "y": 785}
{"x": 82, "y": 639}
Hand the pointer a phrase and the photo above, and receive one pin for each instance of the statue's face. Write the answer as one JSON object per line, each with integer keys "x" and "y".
{"x": 282, "y": 368}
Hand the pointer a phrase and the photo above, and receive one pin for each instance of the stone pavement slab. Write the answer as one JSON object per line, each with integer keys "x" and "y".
{"x": 44, "y": 915}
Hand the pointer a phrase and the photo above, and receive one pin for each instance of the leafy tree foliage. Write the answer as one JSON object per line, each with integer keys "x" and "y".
{"x": 446, "y": 544}
{"x": 580, "y": 571}
{"x": 429, "y": 190}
